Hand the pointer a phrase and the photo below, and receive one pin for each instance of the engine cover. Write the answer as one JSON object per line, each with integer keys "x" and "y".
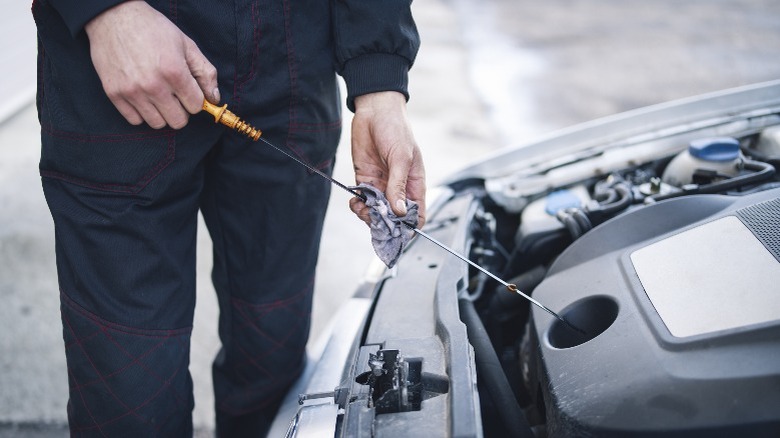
{"x": 680, "y": 302}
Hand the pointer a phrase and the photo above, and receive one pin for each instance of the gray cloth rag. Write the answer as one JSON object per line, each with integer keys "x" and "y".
{"x": 389, "y": 235}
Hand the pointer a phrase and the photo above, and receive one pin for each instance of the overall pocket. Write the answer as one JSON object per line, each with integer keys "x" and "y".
{"x": 122, "y": 163}
{"x": 84, "y": 138}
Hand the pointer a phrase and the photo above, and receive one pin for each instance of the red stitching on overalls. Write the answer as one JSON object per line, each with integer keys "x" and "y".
{"x": 293, "y": 71}
{"x": 251, "y": 319}
{"x": 293, "y": 125}
{"x": 106, "y": 138}
{"x": 78, "y": 385}
{"x": 129, "y": 411}
{"x": 250, "y": 313}
{"x": 137, "y": 360}
{"x": 238, "y": 85}
{"x": 135, "y": 331}
{"x": 174, "y": 10}
{"x": 86, "y": 408}
{"x": 104, "y": 327}
{"x": 105, "y": 332}
{"x": 170, "y": 155}
{"x": 277, "y": 303}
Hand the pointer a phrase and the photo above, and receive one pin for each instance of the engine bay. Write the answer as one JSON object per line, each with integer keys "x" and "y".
{"x": 654, "y": 234}
{"x": 665, "y": 250}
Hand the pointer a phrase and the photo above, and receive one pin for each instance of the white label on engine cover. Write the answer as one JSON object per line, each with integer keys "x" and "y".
{"x": 714, "y": 277}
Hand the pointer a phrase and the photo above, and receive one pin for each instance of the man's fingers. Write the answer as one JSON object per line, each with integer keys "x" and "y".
{"x": 173, "y": 113}
{"x": 204, "y": 72}
{"x": 416, "y": 192}
{"x": 148, "y": 113}
{"x": 128, "y": 111}
{"x": 157, "y": 107}
{"x": 187, "y": 93}
{"x": 360, "y": 209}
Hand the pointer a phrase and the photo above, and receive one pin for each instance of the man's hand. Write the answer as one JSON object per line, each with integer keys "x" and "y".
{"x": 149, "y": 69}
{"x": 385, "y": 154}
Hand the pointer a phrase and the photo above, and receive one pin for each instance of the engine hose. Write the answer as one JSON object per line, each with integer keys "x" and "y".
{"x": 761, "y": 172}
{"x": 623, "y": 202}
{"x": 492, "y": 375}
{"x": 774, "y": 160}
{"x": 607, "y": 197}
{"x": 582, "y": 220}
{"x": 574, "y": 228}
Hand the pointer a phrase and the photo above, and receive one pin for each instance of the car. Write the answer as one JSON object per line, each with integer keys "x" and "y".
{"x": 654, "y": 235}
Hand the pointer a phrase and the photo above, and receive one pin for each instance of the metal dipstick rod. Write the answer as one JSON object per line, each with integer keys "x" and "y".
{"x": 509, "y": 286}
{"x": 223, "y": 115}
{"x": 226, "y": 117}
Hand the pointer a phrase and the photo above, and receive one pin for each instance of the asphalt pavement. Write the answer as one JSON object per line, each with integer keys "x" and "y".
{"x": 490, "y": 73}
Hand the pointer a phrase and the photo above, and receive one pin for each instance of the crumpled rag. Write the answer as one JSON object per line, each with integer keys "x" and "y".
{"x": 389, "y": 235}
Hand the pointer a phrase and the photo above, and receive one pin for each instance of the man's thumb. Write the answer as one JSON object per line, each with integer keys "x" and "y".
{"x": 396, "y": 190}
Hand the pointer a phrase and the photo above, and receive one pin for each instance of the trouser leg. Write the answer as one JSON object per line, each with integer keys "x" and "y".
{"x": 125, "y": 215}
{"x": 125, "y": 381}
{"x": 124, "y": 205}
{"x": 265, "y": 217}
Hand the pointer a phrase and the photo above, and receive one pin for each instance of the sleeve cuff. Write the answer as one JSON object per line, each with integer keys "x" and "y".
{"x": 375, "y": 72}
{"x": 76, "y": 13}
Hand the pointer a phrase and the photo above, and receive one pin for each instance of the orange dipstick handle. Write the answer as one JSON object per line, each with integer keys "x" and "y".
{"x": 223, "y": 115}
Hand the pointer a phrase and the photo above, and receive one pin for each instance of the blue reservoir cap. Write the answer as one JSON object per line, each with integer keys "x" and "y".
{"x": 561, "y": 199}
{"x": 715, "y": 149}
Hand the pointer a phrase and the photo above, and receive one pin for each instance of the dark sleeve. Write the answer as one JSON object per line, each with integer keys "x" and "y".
{"x": 376, "y": 42}
{"x": 76, "y": 13}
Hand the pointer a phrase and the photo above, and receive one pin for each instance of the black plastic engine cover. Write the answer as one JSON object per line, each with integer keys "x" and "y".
{"x": 681, "y": 305}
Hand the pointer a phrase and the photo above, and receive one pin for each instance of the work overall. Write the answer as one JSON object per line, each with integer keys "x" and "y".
{"x": 125, "y": 202}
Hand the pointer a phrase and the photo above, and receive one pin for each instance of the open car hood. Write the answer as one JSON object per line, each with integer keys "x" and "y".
{"x": 652, "y": 273}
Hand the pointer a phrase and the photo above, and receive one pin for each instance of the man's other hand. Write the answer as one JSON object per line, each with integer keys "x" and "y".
{"x": 385, "y": 154}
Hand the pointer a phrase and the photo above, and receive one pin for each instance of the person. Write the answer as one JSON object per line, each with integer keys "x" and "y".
{"x": 128, "y": 160}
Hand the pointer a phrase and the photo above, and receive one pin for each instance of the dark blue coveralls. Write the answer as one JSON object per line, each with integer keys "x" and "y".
{"x": 125, "y": 200}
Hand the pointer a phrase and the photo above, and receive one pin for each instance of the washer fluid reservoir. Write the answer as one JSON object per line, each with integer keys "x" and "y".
{"x": 719, "y": 154}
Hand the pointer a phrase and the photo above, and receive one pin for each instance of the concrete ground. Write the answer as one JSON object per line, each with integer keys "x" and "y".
{"x": 490, "y": 73}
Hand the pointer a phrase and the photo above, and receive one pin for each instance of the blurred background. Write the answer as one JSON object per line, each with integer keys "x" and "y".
{"x": 490, "y": 74}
